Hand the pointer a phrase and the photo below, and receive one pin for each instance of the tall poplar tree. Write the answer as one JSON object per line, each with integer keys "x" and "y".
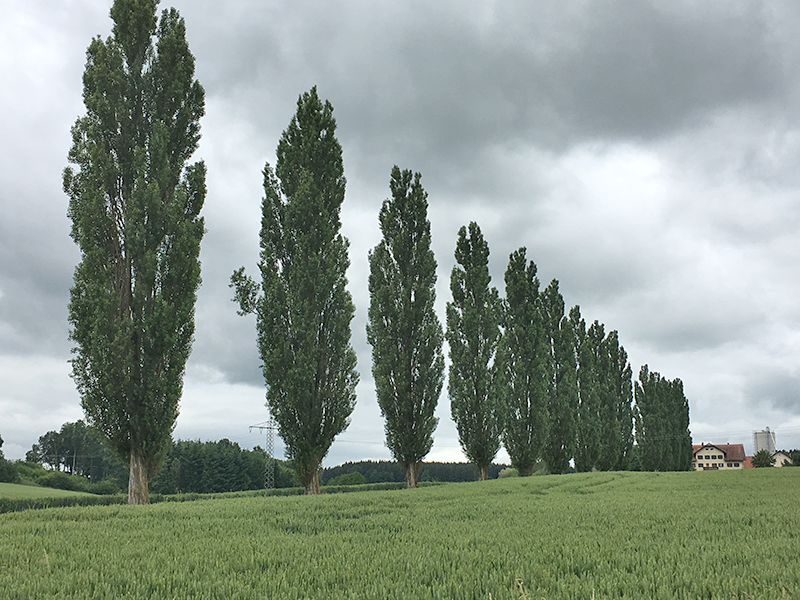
{"x": 617, "y": 415}
{"x": 559, "y": 448}
{"x": 473, "y": 334}
{"x": 303, "y": 308}
{"x": 605, "y": 417}
{"x": 662, "y": 423}
{"x": 592, "y": 389}
{"x": 523, "y": 370}
{"x": 403, "y": 329}
{"x": 135, "y": 205}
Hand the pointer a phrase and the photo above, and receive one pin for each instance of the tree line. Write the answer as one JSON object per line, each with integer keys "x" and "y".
{"x": 523, "y": 373}
{"x": 76, "y": 458}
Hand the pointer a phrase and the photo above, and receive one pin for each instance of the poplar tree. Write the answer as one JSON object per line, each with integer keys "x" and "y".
{"x": 662, "y": 423}
{"x": 617, "y": 416}
{"x": 403, "y": 329}
{"x": 473, "y": 334}
{"x": 303, "y": 308}
{"x": 562, "y": 388}
{"x": 605, "y": 417}
{"x": 135, "y": 210}
{"x": 592, "y": 390}
{"x": 523, "y": 371}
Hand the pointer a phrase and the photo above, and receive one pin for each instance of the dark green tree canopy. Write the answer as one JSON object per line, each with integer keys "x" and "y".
{"x": 303, "y": 308}
{"x": 605, "y": 417}
{"x": 662, "y": 423}
{"x": 762, "y": 459}
{"x": 473, "y": 334}
{"x": 562, "y": 403}
{"x": 135, "y": 210}
{"x": 523, "y": 359}
{"x": 405, "y": 334}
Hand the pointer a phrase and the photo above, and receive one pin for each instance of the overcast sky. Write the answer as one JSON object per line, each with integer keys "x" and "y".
{"x": 646, "y": 154}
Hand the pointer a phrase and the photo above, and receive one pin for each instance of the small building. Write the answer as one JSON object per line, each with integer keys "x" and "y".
{"x": 707, "y": 457}
{"x": 781, "y": 458}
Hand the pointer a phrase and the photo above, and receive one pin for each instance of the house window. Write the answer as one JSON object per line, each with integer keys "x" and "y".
{"x": 730, "y": 464}
{"x": 735, "y": 464}
{"x": 700, "y": 464}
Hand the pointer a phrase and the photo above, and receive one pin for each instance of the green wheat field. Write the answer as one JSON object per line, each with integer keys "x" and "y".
{"x": 594, "y": 535}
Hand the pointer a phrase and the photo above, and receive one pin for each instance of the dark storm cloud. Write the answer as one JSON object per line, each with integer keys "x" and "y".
{"x": 646, "y": 154}
{"x": 445, "y": 82}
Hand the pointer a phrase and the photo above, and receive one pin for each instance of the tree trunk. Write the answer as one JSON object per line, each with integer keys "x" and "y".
{"x": 312, "y": 487}
{"x": 138, "y": 492}
{"x": 412, "y": 472}
{"x": 483, "y": 472}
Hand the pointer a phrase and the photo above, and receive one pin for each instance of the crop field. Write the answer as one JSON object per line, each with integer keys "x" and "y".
{"x": 15, "y": 491}
{"x": 595, "y": 535}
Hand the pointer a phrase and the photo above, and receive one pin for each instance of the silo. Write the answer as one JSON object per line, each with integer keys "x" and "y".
{"x": 764, "y": 440}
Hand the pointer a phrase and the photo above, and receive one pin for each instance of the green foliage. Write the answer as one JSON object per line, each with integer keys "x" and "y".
{"x": 77, "y": 483}
{"x": 562, "y": 387}
{"x": 34, "y": 474}
{"x": 216, "y": 467}
{"x": 523, "y": 358}
{"x": 8, "y": 472}
{"x": 304, "y": 309}
{"x": 30, "y": 471}
{"x": 403, "y": 329}
{"x": 762, "y": 459}
{"x": 662, "y": 423}
{"x": 508, "y": 472}
{"x": 592, "y": 392}
{"x": 354, "y": 478}
{"x": 447, "y": 541}
{"x": 79, "y": 449}
{"x": 373, "y": 471}
{"x": 473, "y": 333}
{"x": 135, "y": 206}
{"x": 617, "y": 416}
{"x": 605, "y": 396}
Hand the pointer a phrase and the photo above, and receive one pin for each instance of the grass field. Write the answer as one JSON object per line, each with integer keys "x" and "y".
{"x": 595, "y": 535}
{"x": 25, "y": 492}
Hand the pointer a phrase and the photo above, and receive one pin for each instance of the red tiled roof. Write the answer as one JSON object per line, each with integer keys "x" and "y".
{"x": 733, "y": 452}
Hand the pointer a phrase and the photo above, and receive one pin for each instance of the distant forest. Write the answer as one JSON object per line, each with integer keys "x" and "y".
{"x": 77, "y": 450}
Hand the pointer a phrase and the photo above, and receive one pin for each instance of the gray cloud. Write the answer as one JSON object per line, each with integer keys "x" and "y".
{"x": 646, "y": 154}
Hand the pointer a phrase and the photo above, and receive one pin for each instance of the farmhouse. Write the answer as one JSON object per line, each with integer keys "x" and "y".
{"x": 782, "y": 458}
{"x": 718, "y": 456}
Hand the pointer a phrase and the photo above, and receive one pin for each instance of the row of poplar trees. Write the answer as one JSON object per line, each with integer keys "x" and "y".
{"x": 522, "y": 372}
{"x": 526, "y": 374}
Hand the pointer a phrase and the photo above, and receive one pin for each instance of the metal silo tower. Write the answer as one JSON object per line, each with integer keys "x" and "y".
{"x": 764, "y": 440}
